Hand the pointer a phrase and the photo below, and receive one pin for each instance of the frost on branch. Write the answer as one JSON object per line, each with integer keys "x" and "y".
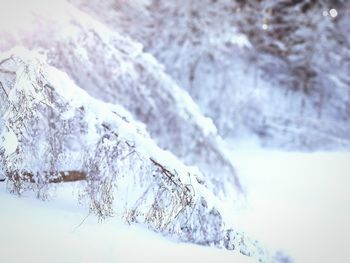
{"x": 114, "y": 68}
{"x": 59, "y": 133}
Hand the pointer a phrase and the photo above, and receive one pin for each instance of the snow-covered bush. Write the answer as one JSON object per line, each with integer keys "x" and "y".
{"x": 42, "y": 108}
{"x": 114, "y": 68}
{"x": 52, "y": 131}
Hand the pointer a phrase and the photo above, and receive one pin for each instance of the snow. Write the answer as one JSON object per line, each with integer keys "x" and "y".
{"x": 36, "y": 232}
{"x": 240, "y": 40}
{"x": 298, "y": 202}
{"x": 9, "y": 142}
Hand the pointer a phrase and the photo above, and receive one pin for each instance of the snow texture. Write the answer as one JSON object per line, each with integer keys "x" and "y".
{"x": 59, "y": 231}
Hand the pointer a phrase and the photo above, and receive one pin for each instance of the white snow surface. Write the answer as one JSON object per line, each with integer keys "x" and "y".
{"x": 298, "y": 202}
{"x": 36, "y": 232}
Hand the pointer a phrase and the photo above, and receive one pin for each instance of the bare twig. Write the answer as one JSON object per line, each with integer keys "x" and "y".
{"x": 164, "y": 171}
{"x": 5, "y": 70}
{"x": 2, "y": 87}
{"x": 41, "y": 101}
{"x": 82, "y": 222}
{"x": 4, "y": 60}
{"x": 127, "y": 155}
{"x": 109, "y": 129}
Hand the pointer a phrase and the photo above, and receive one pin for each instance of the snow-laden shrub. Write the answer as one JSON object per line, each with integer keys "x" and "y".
{"x": 59, "y": 133}
{"x": 115, "y": 69}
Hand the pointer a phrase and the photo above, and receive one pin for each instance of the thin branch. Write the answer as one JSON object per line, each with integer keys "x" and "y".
{"x": 127, "y": 155}
{"x": 4, "y": 60}
{"x": 41, "y": 101}
{"x": 81, "y": 222}
{"x": 104, "y": 125}
{"x": 4, "y": 90}
{"x": 4, "y": 70}
{"x": 109, "y": 129}
{"x": 164, "y": 171}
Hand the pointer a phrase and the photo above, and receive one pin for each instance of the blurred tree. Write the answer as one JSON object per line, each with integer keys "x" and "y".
{"x": 295, "y": 31}
{"x": 266, "y": 67}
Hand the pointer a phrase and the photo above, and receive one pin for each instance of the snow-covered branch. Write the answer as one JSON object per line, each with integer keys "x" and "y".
{"x": 115, "y": 159}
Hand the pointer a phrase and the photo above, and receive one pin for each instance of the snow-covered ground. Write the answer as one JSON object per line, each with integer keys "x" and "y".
{"x": 297, "y": 202}
{"x": 55, "y": 231}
